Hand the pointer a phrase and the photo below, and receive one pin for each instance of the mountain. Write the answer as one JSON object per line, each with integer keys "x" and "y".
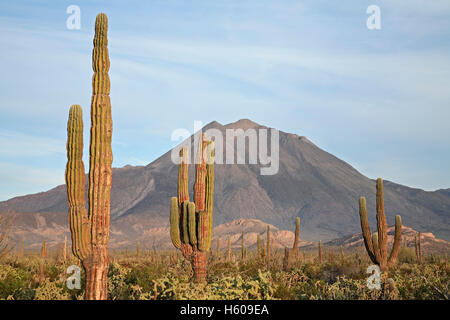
{"x": 311, "y": 184}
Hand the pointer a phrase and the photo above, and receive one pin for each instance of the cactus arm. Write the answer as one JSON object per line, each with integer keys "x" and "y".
{"x": 192, "y": 224}
{"x": 75, "y": 183}
{"x": 175, "y": 223}
{"x": 200, "y": 175}
{"x": 381, "y": 223}
{"x": 185, "y": 223}
{"x": 419, "y": 248}
{"x": 183, "y": 176}
{"x": 268, "y": 244}
{"x": 375, "y": 248}
{"x": 210, "y": 190}
{"x": 365, "y": 229}
{"x": 397, "y": 241}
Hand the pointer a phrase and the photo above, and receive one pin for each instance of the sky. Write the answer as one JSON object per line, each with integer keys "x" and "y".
{"x": 377, "y": 99}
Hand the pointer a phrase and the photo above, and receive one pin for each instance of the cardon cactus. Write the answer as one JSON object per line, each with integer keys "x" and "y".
{"x": 289, "y": 255}
{"x": 268, "y": 245}
{"x": 376, "y": 243}
{"x": 90, "y": 229}
{"x": 320, "y": 251}
{"x": 418, "y": 247}
{"x": 229, "y": 249}
{"x": 243, "y": 247}
{"x": 191, "y": 222}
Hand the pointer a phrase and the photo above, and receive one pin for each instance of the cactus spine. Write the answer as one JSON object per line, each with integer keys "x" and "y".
{"x": 191, "y": 222}
{"x": 418, "y": 247}
{"x": 376, "y": 244}
{"x": 90, "y": 229}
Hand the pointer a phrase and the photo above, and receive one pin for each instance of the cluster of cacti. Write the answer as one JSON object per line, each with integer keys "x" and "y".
{"x": 290, "y": 255}
{"x": 90, "y": 229}
{"x": 191, "y": 222}
{"x": 376, "y": 243}
{"x": 418, "y": 247}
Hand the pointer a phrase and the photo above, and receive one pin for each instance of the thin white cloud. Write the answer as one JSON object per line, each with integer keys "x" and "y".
{"x": 17, "y": 144}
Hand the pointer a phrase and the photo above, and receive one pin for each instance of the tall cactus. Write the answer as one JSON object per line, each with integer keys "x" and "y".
{"x": 65, "y": 249}
{"x": 229, "y": 249}
{"x": 191, "y": 222}
{"x": 243, "y": 246}
{"x": 320, "y": 251}
{"x": 268, "y": 245}
{"x": 90, "y": 229}
{"x": 376, "y": 243}
{"x": 44, "y": 252}
{"x": 289, "y": 255}
{"x": 218, "y": 249}
{"x": 258, "y": 242}
{"x": 418, "y": 247}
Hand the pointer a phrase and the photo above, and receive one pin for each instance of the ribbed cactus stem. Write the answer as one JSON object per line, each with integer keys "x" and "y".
{"x": 75, "y": 184}
{"x": 376, "y": 244}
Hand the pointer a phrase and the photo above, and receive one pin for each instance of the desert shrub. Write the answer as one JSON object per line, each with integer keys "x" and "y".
{"x": 15, "y": 283}
{"x": 50, "y": 290}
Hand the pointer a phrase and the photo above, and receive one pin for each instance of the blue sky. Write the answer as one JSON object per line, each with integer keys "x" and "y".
{"x": 378, "y": 99}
